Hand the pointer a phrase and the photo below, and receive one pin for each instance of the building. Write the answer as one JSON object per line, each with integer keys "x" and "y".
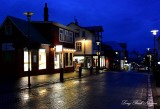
{"x": 88, "y": 42}
{"x": 62, "y": 38}
{"x": 117, "y": 54}
{"x": 14, "y": 47}
{"x": 40, "y": 47}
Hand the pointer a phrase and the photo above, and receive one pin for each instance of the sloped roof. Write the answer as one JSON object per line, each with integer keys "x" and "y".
{"x": 22, "y": 25}
{"x": 55, "y": 24}
{"x": 115, "y": 46}
{"x": 72, "y": 23}
{"x": 94, "y": 28}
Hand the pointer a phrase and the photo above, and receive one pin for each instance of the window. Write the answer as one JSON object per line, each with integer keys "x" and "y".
{"x": 26, "y": 62}
{"x": 42, "y": 59}
{"x": 78, "y": 46}
{"x": 60, "y": 34}
{"x": 83, "y": 34}
{"x": 8, "y": 28}
{"x": 77, "y": 33}
{"x": 65, "y": 36}
{"x": 57, "y": 61}
{"x": 68, "y": 59}
{"x": 70, "y": 36}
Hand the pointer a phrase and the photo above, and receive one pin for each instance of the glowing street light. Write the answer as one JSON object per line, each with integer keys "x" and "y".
{"x": 98, "y": 44}
{"x": 154, "y": 32}
{"x": 84, "y": 40}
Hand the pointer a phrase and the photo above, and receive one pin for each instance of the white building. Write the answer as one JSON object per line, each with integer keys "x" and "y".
{"x": 86, "y": 45}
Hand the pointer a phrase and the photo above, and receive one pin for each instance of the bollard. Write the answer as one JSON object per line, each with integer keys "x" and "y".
{"x": 80, "y": 72}
{"x": 91, "y": 70}
{"x": 61, "y": 75}
{"x": 97, "y": 70}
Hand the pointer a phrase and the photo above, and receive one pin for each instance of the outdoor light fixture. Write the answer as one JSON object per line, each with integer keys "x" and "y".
{"x": 84, "y": 52}
{"x": 28, "y": 14}
{"x": 148, "y": 49}
{"x": 98, "y": 44}
{"x": 154, "y": 32}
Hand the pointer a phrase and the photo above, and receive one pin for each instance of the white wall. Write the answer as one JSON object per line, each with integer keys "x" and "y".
{"x": 88, "y": 40}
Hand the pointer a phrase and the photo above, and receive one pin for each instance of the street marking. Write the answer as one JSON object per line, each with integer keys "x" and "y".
{"x": 150, "y": 102}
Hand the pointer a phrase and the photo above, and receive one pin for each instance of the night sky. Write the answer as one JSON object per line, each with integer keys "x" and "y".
{"x": 128, "y": 21}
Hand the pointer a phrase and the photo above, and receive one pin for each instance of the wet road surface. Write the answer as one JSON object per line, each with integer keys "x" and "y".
{"x": 110, "y": 90}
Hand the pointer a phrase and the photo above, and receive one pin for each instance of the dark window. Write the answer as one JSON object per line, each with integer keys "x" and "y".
{"x": 8, "y": 29}
{"x": 83, "y": 34}
{"x": 77, "y": 33}
{"x": 66, "y": 59}
{"x": 70, "y": 58}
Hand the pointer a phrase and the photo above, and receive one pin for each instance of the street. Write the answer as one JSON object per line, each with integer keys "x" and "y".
{"x": 109, "y": 90}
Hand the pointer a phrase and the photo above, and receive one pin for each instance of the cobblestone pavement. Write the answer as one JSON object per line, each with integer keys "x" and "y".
{"x": 110, "y": 90}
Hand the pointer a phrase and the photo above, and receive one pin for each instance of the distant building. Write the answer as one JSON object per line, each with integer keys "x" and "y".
{"x": 117, "y": 54}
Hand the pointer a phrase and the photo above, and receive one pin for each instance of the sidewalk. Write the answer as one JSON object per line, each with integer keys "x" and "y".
{"x": 9, "y": 84}
{"x": 156, "y": 94}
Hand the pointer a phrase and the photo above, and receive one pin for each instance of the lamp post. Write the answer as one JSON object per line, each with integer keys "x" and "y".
{"x": 98, "y": 53}
{"x": 154, "y": 32}
{"x": 28, "y": 14}
{"x": 84, "y": 51}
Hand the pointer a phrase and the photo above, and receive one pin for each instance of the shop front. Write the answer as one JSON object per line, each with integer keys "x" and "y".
{"x": 102, "y": 61}
{"x": 63, "y": 58}
{"x": 88, "y": 61}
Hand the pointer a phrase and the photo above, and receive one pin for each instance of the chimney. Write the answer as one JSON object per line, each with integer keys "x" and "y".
{"x": 45, "y": 12}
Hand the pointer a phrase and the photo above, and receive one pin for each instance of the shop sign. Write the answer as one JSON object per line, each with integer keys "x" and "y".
{"x": 59, "y": 48}
{"x": 7, "y": 47}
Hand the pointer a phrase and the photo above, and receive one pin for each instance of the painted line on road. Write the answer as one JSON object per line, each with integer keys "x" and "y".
{"x": 150, "y": 102}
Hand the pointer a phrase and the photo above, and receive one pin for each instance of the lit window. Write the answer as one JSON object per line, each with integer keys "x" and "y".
{"x": 78, "y": 46}
{"x": 26, "y": 60}
{"x": 42, "y": 59}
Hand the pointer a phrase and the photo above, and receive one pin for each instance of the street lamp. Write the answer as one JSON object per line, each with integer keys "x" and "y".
{"x": 98, "y": 53}
{"x": 148, "y": 59}
{"x": 154, "y": 32}
{"x": 28, "y": 14}
{"x": 84, "y": 50}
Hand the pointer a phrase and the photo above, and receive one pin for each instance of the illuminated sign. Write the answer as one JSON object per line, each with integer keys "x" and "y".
{"x": 59, "y": 48}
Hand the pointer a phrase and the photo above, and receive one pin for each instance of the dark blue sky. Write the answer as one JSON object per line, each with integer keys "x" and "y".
{"x": 127, "y": 21}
